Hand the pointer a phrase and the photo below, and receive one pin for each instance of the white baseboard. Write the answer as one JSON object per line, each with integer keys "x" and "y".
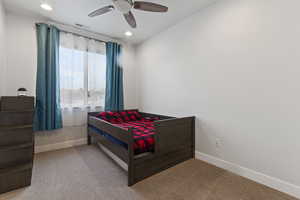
{"x": 264, "y": 179}
{"x": 61, "y": 145}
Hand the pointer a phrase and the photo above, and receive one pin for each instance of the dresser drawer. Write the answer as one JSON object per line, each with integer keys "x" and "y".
{"x": 16, "y": 118}
{"x": 16, "y": 178}
{"x": 14, "y": 136}
{"x": 14, "y": 155}
{"x": 16, "y": 103}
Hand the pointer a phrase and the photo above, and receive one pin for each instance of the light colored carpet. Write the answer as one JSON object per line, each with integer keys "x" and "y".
{"x": 85, "y": 173}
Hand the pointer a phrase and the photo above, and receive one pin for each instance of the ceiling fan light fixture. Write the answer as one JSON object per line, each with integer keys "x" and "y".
{"x": 124, "y": 6}
{"x": 128, "y": 33}
{"x": 46, "y": 6}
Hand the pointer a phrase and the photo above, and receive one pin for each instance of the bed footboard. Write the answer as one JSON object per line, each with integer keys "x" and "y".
{"x": 174, "y": 143}
{"x": 175, "y": 134}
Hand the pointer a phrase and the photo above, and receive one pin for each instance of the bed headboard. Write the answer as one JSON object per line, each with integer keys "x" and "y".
{"x": 96, "y": 113}
{"x": 93, "y": 114}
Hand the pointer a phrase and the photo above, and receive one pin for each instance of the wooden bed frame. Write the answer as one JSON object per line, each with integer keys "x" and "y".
{"x": 174, "y": 143}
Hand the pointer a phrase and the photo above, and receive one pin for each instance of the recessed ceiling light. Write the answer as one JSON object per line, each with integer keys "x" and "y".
{"x": 46, "y": 6}
{"x": 128, "y": 33}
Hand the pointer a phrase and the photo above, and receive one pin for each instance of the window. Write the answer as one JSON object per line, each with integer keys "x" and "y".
{"x": 82, "y": 72}
{"x": 82, "y": 77}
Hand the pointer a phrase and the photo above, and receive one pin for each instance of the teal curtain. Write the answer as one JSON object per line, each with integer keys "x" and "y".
{"x": 48, "y": 112}
{"x": 114, "y": 78}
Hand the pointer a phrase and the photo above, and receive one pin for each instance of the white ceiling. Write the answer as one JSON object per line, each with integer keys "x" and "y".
{"x": 112, "y": 24}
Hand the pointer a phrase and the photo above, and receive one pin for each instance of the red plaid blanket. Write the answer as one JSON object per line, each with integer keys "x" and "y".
{"x": 143, "y": 128}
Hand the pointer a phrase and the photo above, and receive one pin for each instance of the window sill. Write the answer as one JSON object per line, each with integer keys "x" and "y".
{"x": 88, "y": 108}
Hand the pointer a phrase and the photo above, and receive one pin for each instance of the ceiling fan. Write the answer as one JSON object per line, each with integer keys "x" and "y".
{"x": 125, "y": 7}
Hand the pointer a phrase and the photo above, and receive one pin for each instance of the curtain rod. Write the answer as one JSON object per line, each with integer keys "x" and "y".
{"x": 90, "y": 38}
{"x": 77, "y": 34}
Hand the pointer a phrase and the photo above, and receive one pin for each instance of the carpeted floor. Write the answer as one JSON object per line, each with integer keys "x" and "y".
{"x": 85, "y": 173}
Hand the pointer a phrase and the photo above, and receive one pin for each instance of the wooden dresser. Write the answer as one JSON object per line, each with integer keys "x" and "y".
{"x": 16, "y": 142}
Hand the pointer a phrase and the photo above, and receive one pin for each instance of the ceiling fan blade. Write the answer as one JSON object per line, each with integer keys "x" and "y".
{"x": 130, "y": 19}
{"x": 102, "y": 11}
{"x": 148, "y": 6}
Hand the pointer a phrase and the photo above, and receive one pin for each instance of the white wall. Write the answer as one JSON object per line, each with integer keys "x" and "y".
{"x": 130, "y": 77}
{"x": 21, "y": 72}
{"x": 21, "y": 53}
{"x": 234, "y": 65}
{"x": 2, "y": 47}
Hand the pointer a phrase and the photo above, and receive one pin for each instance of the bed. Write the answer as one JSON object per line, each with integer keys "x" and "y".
{"x": 147, "y": 143}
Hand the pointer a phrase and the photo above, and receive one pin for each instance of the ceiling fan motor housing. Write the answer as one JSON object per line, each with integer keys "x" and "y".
{"x": 124, "y": 6}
